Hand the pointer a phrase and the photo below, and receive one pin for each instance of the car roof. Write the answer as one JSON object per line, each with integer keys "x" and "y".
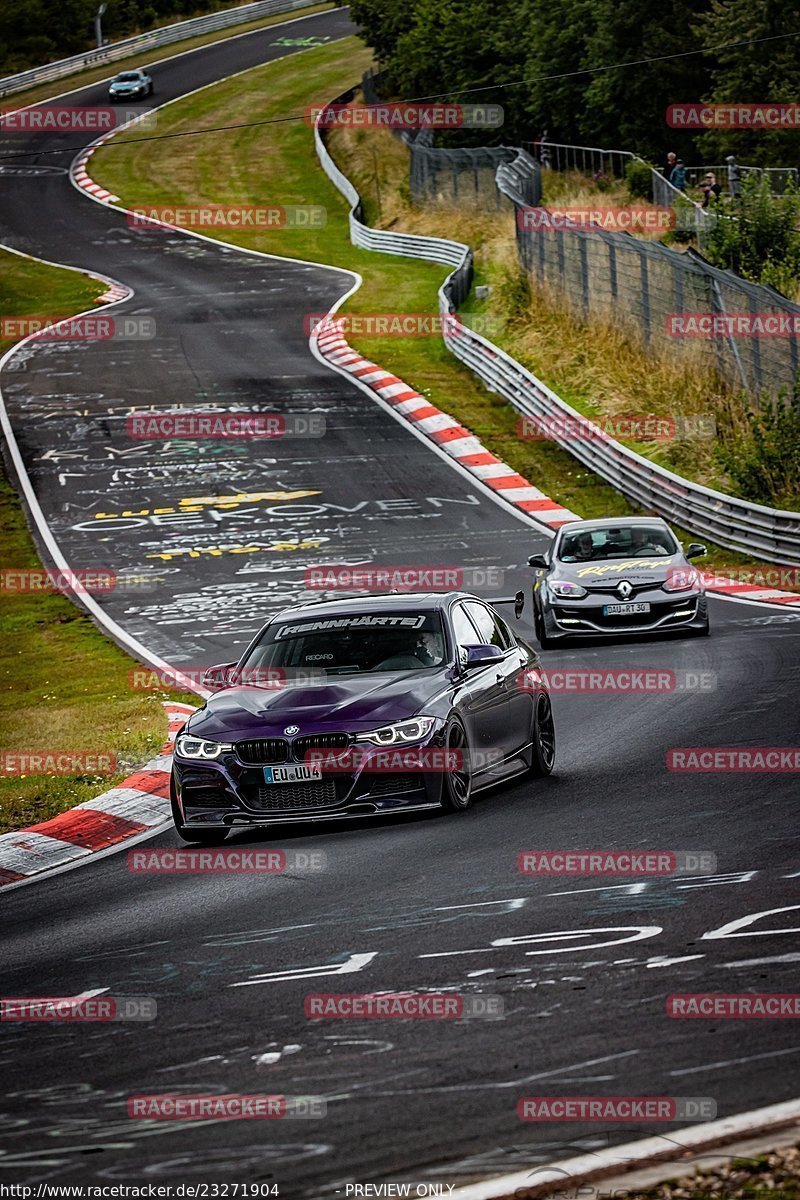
{"x": 611, "y": 523}
{"x": 374, "y": 603}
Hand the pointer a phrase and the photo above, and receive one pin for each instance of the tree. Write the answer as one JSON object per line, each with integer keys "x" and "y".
{"x": 626, "y": 106}
{"x": 760, "y": 72}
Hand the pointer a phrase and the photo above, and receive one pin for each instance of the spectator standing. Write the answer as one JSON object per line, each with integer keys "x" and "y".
{"x": 678, "y": 176}
{"x": 711, "y": 189}
{"x": 669, "y": 165}
{"x": 734, "y": 177}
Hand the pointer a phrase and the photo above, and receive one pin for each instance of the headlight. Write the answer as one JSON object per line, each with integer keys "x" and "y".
{"x": 565, "y": 589}
{"x": 681, "y": 580}
{"x": 192, "y": 747}
{"x": 402, "y": 733}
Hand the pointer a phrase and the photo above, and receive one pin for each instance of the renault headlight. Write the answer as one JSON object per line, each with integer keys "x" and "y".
{"x": 565, "y": 589}
{"x": 400, "y": 734}
{"x": 191, "y": 747}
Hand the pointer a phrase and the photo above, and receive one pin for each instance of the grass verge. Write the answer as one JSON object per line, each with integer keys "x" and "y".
{"x": 276, "y": 164}
{"x": 63, "y": 685}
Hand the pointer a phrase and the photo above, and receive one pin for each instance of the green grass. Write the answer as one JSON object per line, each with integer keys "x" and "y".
{"x": 79, "y": 79}
{"x": 63, "y": 685}
{"x": 276, "y": 164}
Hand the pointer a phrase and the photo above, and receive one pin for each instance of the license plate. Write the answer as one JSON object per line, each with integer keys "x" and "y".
{"x": 616, "y": 610}
{"x": 298, "y": 774}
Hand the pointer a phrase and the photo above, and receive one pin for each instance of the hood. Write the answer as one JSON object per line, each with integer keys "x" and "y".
{"x": 610, "y": 571}
{"x": 349, "y": 703}
{"x": 126, "y": 87}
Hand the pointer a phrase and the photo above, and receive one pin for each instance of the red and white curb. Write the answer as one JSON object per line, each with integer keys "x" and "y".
{"x": 445, "y": 432}
{"x": 750, "y": 591}
{"x": 683, "y": 1146}
{"x": 81, "y": 178}
{"x": 138, "y": 804}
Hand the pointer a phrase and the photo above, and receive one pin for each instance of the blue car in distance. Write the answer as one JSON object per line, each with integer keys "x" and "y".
{"x": 130, "y": 85}
{"x": 357, "y": 707}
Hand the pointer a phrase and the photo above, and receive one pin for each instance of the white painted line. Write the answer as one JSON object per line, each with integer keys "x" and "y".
{"x": 617, "y": 1159}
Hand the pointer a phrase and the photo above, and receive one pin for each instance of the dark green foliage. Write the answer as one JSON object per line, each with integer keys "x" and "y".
{"x": 34, "y": 32}
{"x": 763, "y": 463}
{"x": 763, "y": 242}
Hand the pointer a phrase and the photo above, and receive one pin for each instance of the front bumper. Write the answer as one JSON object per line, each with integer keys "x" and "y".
{"x": 228, "y": 792}
{"x": 585, "y": 618}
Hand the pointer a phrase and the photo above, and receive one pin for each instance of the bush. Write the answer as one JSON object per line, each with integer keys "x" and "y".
{"x": 638, "y": 176}
{"x": 760, "y": 239}
{"x": 763, "y": 462}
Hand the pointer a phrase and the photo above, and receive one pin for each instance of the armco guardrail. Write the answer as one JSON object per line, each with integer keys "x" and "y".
{"x": 752, "y": 529}
{"x": 149, "y": 41}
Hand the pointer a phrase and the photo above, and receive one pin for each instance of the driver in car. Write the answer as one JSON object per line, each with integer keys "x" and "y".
{"x": 429, "y": 649}
{"x": 581, "y": 548}
{"x": 642, "y": 542}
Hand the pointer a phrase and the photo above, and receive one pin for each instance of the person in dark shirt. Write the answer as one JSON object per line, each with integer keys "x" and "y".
{"x": 711, "y": 190}
{"x": 669, "y": 164}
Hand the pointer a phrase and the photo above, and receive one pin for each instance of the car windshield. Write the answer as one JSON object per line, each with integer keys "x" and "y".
{"x": 128, "y": 77}
{"x": 621, "y": 541}
{"x": 352, "y": 644}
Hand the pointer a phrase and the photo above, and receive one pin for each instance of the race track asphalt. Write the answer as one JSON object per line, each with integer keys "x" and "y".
{"x": 583, "y": 966}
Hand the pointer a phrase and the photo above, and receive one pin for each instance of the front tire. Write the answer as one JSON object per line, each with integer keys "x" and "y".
{"x": 457, "y": 784}
{"x": 538, "y": 625}
{"x": 543, "y": 749}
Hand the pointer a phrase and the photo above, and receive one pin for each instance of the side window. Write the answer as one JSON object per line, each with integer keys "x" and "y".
{"x": 489, "y": 626}
{"x": 463, "y": 629}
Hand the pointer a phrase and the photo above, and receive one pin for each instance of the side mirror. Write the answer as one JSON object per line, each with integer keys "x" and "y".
{"x": 519, "y": 604}
{"x": 481, "y": 656}
{"x": 219, "y": 677}
{"x": 538, "y": 560}
{"x": 696, "y": 550}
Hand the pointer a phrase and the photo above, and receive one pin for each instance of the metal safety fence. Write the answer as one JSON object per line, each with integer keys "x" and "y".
{"x": 464, "y": 176}
{"x": 149, "y": 41}
{"x": 752, "y": 529}
{"x": 674, "y": 302}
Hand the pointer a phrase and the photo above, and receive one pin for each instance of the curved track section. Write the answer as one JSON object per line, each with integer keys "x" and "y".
{"x": 583, "y": 966}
